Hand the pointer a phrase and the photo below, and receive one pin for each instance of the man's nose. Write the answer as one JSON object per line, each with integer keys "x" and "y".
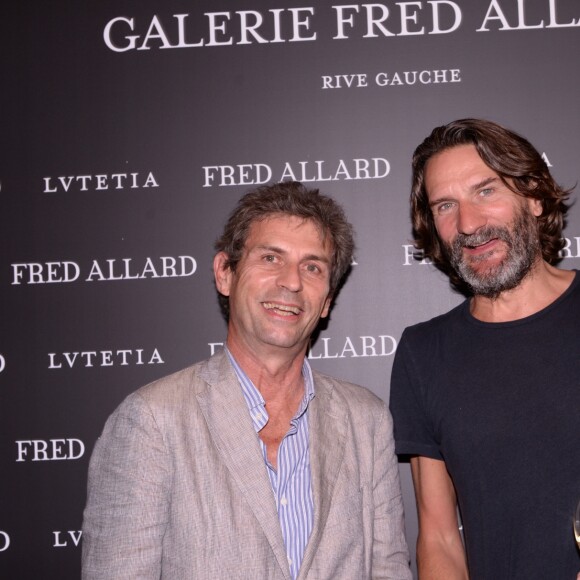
{"x": 290, "y": 277}
{"x": 470, "y": 218}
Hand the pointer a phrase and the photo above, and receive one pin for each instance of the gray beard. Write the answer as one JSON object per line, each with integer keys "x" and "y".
{"x": 523, "y": 248}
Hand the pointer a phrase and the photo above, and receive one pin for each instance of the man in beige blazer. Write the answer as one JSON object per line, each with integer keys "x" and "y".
{"x": 250, "y": 465}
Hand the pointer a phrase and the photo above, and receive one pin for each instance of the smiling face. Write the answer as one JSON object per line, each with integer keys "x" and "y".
{"x": 490, "y": 233}
{"x": 280, "y": 288}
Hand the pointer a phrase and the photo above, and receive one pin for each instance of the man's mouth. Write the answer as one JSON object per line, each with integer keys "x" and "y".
{"x": 282, "y": 309}
{"x": 481, "y": 241}
{"x": 480, "y": 247}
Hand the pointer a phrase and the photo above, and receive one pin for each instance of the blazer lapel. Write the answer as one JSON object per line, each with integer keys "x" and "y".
{"x": 328, "y": 423}
{"x": 226, "y": 413}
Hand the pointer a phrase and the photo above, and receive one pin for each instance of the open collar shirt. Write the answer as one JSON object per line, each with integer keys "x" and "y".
{"x": 291, "y": 482}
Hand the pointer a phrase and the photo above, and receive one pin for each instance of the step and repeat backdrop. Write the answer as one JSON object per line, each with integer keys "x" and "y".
{"x": 129, "y": 131}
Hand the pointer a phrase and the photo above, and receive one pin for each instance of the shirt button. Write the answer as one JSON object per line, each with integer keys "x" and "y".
{"x": 284, "y": 501}
{"x": 289, "y": 560}
{"x": 258, "y": 416}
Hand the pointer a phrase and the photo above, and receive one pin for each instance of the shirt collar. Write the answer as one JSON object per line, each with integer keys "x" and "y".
{"x": 255, "y": 401}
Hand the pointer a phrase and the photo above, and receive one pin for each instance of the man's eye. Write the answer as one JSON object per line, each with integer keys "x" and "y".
{"x": 270, "y": 258}
{"x": 486, "y": 191}
{"x": 444, "y": 207}
{"x": 313, "y": 268}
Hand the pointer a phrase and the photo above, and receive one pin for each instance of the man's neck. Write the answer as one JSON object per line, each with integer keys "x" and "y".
{"x": 540, "y": 287}
{"x": 277, "y": 377}
{"x": 281, "y": 383}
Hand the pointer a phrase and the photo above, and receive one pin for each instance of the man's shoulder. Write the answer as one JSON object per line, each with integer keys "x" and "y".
{"x": 434, "y": 326}
{"x": 350, "y": 393}
{"x": 350, "y": 404}
{"x": 184, "y": 383}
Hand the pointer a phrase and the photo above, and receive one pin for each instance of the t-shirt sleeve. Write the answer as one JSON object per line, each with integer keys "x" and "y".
{"x": 412, "y": 427}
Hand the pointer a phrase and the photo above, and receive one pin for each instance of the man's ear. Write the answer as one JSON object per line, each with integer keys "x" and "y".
{"x": 536, "y": 206}
{"x": 327, "y": 305}
{"x": 222, "y": 273}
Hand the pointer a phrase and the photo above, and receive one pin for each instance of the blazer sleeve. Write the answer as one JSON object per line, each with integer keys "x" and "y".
{"x": 128, "y": 497}
{"x": 390, "y": 558}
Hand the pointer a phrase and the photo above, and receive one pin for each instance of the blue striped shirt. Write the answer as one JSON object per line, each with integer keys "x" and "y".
{"x": 291, "y": 482}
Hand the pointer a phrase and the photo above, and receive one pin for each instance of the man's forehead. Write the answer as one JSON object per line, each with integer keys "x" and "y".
{"x": 276, "y": 224}
{"x": 461, "y": 164}
{"x": 276, "y": 234}
{"x": 466, "y": 152}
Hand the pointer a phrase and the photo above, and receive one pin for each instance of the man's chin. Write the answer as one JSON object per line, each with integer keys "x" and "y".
{"x": 487, "y": 260}
{"x": 492, "y": 280}
{"x": 282, "y": 340}
{"x": 482, "y": 270}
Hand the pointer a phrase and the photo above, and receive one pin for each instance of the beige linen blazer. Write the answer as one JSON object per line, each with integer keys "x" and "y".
{"x": 178, "y": 488}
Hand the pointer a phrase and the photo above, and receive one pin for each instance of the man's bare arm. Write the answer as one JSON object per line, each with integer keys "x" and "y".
{"x": 440, "y": 551}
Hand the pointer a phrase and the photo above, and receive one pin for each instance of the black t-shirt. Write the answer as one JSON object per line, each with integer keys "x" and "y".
{"x": 500, "y": 404}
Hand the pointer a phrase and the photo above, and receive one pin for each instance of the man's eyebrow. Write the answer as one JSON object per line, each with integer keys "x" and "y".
{"x": 475, "y": 187}
{"x": 316, "y": 258}
{"x": 277, "y": 250}
{"x": 269, "y": 248}
{"x": 481, "y": 184}
{"x": 442, "y": 199}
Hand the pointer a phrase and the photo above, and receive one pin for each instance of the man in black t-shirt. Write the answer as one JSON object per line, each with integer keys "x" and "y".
{"x": 486, "y": 399}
